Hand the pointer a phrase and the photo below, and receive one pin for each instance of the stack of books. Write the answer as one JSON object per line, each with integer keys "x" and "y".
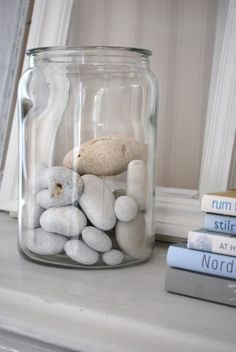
{"x": 205, "y": 268}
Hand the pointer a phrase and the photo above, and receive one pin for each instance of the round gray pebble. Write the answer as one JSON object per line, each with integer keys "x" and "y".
{"x": 64, "y": 185}
{"x": 113, "y": 257}
{"x": 80, "y": 252}
{"x": 44, "y": 243}
{"x": 68, "y": 221}
{"x": 43, "y": 199}
{"x": 96, "y": 239}
{"x": 125, "y": 208}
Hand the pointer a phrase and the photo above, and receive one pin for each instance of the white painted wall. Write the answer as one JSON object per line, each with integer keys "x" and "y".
{"x": 181, "y": 35}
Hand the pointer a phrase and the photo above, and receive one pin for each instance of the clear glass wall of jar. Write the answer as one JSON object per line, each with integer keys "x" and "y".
{"x": 87, "y": 156}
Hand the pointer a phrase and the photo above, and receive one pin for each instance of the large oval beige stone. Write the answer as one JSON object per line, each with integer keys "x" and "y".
{"x": 104, "y": 156}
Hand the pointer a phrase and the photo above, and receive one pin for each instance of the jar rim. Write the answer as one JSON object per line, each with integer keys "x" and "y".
{"x": 89, "y": 49}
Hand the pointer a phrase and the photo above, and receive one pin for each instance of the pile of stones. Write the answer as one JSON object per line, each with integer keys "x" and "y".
{"x": 72, "y": 210}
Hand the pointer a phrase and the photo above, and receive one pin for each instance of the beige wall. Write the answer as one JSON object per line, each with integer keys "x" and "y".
{"x": 181, "y": 35}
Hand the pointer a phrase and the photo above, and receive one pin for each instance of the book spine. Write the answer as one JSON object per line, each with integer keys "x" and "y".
{"x": 209, "y": 288}
{"x": 199, "y": 261}
{"x": 220, "y": 223}
{"x": 212, "y": 243}
{"x": 218, "y": 205}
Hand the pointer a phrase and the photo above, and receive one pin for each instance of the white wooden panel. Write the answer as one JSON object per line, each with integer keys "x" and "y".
{"x": 181, "y": 35}
{"x": 12, "y": 342}
{"x": 14, "y": 16}
{"x": 159, "y": 22}
{"x": 195, "y": 39}
{"x": 88, "y": 20}
{"x": 221, "y": 114}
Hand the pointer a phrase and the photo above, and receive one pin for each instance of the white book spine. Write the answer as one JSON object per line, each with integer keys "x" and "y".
{"x": 218, "y": 205}
{"x": 211, "y": 242}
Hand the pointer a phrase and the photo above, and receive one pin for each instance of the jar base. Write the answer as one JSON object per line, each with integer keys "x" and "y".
{"x": 62, "y": 261}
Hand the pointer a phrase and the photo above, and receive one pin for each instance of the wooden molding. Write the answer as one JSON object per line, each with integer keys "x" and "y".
{"x": 177, "y": 211}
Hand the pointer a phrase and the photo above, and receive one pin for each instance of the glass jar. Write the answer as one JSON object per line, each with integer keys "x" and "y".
{"x": 87, "y": 156}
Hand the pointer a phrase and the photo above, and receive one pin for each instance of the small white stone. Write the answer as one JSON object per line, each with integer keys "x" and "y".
{"x": 68, "y": 221}
{"x": 80, "y": 252}
{"x": 96, "y": 239}
{"x": 97, "y": 202}
{"x": 44, "y": 243}
{"x": 113, "y": 257}
{"x": 64, "y": 185}
{"x": 31, "y": 213}
{"x": 125, "y": 208}
{"x": 131, "y": 237}
{"x": 43, "y": 199}
{"x": 137, "y": 182}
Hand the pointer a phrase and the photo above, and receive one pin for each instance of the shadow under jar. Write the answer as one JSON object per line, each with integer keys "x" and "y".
{"x": 87, "y": 156}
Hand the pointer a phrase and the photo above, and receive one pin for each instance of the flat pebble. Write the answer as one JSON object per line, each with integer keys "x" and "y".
{"x": 113, "y": 257}
{"x": 43, "y": 199}
{"x": 131, "y": 237}
{"x": 125, "y": 208}
{"x": 68, "y": 221}
{"x": 44, "y": 243}
{"x": 78, "y": 251}
{"x": 31, "y": 213}
{"x": 104, "y": 156}
{"x": 137, "y": 182}
{"x": 96, "y": 239}
{"x": 97, "y": 202}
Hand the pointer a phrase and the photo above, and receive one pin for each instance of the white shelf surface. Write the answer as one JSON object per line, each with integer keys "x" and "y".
{"x": 105, "y": 310}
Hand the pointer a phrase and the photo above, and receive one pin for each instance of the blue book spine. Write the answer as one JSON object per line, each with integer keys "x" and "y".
{"x": 179, "y": 256}
{"x": 220, "y": 223}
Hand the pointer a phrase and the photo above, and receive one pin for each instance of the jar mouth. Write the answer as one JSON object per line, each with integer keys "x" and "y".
{"x": 89, "y": 50}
